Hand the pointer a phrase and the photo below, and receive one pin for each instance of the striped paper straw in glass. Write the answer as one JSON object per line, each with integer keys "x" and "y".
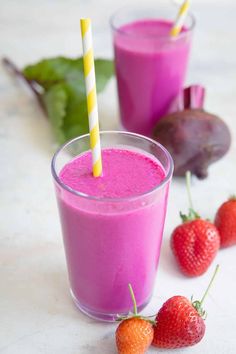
{"x": 180, "y": 19}
{"x": 90, "y": 84}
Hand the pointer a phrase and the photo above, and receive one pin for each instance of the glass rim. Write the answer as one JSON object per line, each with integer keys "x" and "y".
{"x": 107, "y": 199}
{"x": 146, "y": 36}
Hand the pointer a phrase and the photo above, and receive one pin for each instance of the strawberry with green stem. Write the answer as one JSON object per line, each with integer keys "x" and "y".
{"x": 195, "y": 242}
{"x": 135, "y": 333}
{"x": 225, "y": 221}
{"x": 180, "y": 322}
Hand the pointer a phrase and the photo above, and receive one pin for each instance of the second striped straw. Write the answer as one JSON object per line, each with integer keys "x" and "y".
{"x": 90, "y": 84}
{"x": 180, "y": 19}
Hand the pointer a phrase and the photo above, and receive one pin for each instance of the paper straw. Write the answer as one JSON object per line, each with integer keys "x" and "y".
{"x": 180, "y": 19}
{"x": 90, "y": 84}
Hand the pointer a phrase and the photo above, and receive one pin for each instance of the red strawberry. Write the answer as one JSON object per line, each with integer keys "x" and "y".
{"x": 225, "y": 221}
{"x": 179, "y": 322}
{"x": 134, "y": 334}
{"x": 195, "y": 242}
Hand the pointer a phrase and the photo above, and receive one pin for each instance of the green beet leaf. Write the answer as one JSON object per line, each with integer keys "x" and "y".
{"x": 62, "y": 89}
{"x": 55, "y": 100}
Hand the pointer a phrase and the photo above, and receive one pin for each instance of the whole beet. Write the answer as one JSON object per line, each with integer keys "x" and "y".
{"x": 194, "y": 138}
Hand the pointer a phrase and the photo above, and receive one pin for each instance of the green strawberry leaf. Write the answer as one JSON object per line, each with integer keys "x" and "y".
{"x": 192, "y": 215}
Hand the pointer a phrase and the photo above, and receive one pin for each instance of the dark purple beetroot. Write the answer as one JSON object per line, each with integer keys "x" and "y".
{"x": 194, "y": 138}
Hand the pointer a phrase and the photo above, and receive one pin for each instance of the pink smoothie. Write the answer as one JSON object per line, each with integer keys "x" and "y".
{"x": 150, "y": 68}
{"x": 110, "y": 241}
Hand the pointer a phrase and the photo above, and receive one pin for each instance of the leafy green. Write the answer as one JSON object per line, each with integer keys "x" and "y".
{"x": 55, "y": 100}
{"x": 61, "y": 82}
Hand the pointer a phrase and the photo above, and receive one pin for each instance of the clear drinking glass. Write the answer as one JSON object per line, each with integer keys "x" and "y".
{"x": 110, "y": 242}
{"x": 150, "y": 64}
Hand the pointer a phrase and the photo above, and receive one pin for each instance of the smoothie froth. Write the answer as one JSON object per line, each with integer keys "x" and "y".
{"x": 125, "y": 174}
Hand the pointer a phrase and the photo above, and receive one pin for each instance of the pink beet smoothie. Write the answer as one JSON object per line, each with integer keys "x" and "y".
{"x": 150, "y": 69}
{"x": 116, "y": 241}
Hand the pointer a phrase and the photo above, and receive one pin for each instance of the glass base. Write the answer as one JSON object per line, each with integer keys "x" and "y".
{"x": 105, "y": 317}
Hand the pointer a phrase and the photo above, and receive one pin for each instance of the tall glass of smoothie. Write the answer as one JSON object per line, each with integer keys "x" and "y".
{"x": 150, "y": 64}
{"x": 112, "y": 225}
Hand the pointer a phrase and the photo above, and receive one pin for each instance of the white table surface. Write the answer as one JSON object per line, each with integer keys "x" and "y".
{"x": 36, "y": 312}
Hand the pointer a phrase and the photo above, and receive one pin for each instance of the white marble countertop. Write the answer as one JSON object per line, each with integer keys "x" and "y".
{"x": 36, "y": 312}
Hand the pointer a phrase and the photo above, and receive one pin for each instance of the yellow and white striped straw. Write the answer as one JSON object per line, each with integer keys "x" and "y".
{"x": 180, "y": 19}
{"x": 90, "y": 84}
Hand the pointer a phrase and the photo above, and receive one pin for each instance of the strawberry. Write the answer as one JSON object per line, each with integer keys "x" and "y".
{"x": 179, "y": 322}
{"x": 134, "y": 334}
{"x": 195, "y": 242}
{"x": 225, "y": 221}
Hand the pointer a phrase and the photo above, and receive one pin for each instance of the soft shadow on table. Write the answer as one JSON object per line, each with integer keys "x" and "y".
{"x": 105, "y": 345}
{"x": 35, "y": 291}
{"x": 34, "y": 283}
